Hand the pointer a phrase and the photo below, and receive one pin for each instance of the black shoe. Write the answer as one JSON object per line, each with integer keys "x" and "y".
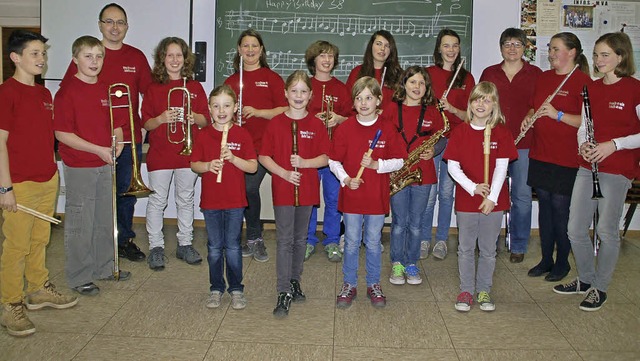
{"x": 124, "y": 275}
{"x": 87, "y": 289}
{"x": 594, "y": 300}
{"x": 572, "y": 288}
{"x": 557, "y": 276}
{"x": 296, "y": 292}
{"x": 516, "y": 257}
{"x": 539, "y": 270}
{"x": 131, "y": 252}
{"x": 282, "y": 307}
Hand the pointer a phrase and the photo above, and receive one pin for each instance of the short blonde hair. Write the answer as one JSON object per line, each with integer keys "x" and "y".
{"x": 486, "y": 90}
{"x": 85, "y": 41}
{"x": 366, "y": 82}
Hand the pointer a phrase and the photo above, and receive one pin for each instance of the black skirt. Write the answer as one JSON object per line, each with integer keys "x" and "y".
{"x": 551, "y": 177}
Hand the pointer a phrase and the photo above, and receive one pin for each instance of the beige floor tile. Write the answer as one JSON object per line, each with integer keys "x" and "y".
{"x": 166, "y": 315}
{"x": 418, "y": 354}
{"x": 627, "y": 283}
{"x": 140, "y": 348}
{"x": 310, "y": 323}
{"x": 42, "y": 346}
{"x": 177, "y": 276}
{"x": 363, "y": 325}
{"x": 260, "y": 280}
{"x": 613, "y": 328}
{"x": 510, "y": 321}
{"x": 517, "y": 354}
{"x": 263, "y": 351}
{"x": 609, "y": 356}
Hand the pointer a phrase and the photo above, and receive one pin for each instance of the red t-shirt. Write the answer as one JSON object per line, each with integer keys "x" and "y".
{"x": 277, "y": 143}
{"x": 333, "y": 87}
{"x": 387, "y": 92}
{"x": 230, "y": 193}
{"x": 458, "y": 97}
{"x": 163, "y": 154}
{"x": 350, "y": 141}
{"x": 466, "y": 147}
{"x": 83, "y": 109}
{"x": 263, "y": 89}
{"x": 514, "y": 96}
{"x": 410, "y": 116}
{"x": 127, "y": 65}
{"x": 556, "y": 142}
{"x": 613, "y": 109}
{"x": 26, "y": 112}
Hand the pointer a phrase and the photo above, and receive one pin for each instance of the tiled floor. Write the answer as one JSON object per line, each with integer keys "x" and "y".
{"x": 162, "y": 316}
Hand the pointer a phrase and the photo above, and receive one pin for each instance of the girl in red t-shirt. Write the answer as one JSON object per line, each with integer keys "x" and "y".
{"x": 481, "y": 196}
{"x": 167, "y": 122}
{"x": 294, "y": 145}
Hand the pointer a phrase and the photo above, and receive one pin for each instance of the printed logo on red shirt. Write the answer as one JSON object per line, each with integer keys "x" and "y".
{"x": 380, "y": 144}
{"x": 104, "y": 102}
{"x": 427, "y": 123}
{"x": 616, "y": 105}
{"x": 307, "y": 134}
{"x": 128, "y": 69}
{"x": 563, "y": 93}
{"x": 233, "y": 146}
{"x": 262, "y": 84}
{"x": 493, "y": 145}
{"x": 47, "y": 106}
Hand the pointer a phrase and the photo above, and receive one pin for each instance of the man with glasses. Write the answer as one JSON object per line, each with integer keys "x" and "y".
{"x": 514, "y": 78}
{"x": 123, "y": 64}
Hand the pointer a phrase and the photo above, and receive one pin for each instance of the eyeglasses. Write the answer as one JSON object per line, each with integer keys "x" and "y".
{"x": 508, "y": 45}
{"x": 112, "y": 22}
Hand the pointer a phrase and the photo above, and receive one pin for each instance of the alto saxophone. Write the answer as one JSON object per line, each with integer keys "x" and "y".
{"x": 405, "y": 175}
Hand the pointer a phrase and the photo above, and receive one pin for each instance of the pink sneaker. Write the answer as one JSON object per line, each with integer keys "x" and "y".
{"x": 376, "y": 296}
{"x": 464, "y": 302}
{"x": 346, "y": 296}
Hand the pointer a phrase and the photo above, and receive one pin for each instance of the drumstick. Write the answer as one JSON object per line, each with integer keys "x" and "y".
{"x": 225, "y": 134}
{"x": 369, "y": 151}
{"x": 35, "y": 213}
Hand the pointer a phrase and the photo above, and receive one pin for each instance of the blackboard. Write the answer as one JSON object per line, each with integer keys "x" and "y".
{"x": 289, "y": 26}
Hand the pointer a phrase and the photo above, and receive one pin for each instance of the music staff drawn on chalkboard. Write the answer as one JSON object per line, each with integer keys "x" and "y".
{"x": 343, "y": 24}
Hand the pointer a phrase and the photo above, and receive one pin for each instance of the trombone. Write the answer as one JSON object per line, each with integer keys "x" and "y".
{"x": 183, "y": 111}
{"x": 136, "y": 187}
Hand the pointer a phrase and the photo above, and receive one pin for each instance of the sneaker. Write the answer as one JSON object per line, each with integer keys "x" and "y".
{"x": 485, "y": 302}
{"x": 123, "y": 276}
{"x": 333, "y": 252}
{"x": 296, "y": 292}
{"x": 260, "y": 251}
{"x": 341, "y": 244}
{"x": 16, "y": 321}
{"x": 214, "y": 300}
{"x": 247, "y": 250}
{"x": 283, "y": 304}
{"x": 130, "y": 251}
{"x": 397, "y": 274}
{"x": 594, "y": 300}
{"x": 238, "y": 301}
{"x": 572, "y": 288}
{"x": 156, "y": 259}
{"x": 424, "y": 249}
{"x": 464, "y": 302}
{"x": 49, "y": 297}
{"x": 413, "y": 274}
{"x": 346, "y": 296}
{"x": 376, "y": 296}
{"x": 440, "y": 250}
{"x": 188, "y": 254}
{"x": 87, "y": 289}
{"x": 311, "y": 249}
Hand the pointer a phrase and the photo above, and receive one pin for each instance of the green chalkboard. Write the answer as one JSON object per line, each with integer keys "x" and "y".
{"x": 289, "y": 26}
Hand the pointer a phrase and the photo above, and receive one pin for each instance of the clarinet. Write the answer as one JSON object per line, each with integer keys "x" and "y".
{"x": 596, "y": 193}
{"x": 294, "y": 151}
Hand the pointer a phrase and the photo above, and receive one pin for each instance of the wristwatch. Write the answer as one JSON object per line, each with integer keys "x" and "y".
{"x": 4, "y": 190}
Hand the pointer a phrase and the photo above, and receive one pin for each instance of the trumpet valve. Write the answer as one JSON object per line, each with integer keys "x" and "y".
{"x": 118, "y": 93}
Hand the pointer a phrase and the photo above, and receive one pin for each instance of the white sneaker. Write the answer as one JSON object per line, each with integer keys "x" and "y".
{"x": 397, "y": 274}
{"x": 341, "y": 244}
{"x": 238, "y": 301}
{"x": 214, "y": 300}
{"x": 424, "y": 249}
{"x": 440, "y": 250}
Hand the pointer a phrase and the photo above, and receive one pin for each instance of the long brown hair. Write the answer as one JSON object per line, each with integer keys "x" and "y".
{"x": 571, "y": 41}
{"x": 437, "y": 58}
{"x": 263, "y": 54}
{"x": 394, "y": 70}
{"x": 159, "y": 72}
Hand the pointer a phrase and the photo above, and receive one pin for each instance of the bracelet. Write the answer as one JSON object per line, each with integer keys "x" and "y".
{"x": 560, "y": 114}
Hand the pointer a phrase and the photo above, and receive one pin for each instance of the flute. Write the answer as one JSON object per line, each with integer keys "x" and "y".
{"x": 487, "y": 152}
{"x": 241, "y": 85}
{"x": 444, "y": 95}
{"x": 536, "y": 115}
{"x": 294, "y": 151}
{"x": 384, "y": 72}
{"x": 369, "y": 151}
{"x": 223, "y": 143}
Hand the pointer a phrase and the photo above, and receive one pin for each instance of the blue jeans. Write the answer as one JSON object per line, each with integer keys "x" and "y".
{"x": 553, "y": 219}
{"x": 407, "y": 209}
{"x": 444, "y": 190}
{"x": 520, "y": 221}
{"x": 125, "y": 204}
{"x": 331, "y": 223}
{"x": 373, "y": 224}
{"x": 224, "y": 227}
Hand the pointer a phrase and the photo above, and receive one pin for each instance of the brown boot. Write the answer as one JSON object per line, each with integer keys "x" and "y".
{"x": 15, "y": 320}
{"x": 48, "y": 296}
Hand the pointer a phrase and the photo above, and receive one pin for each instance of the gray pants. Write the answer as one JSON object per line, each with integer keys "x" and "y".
{"x": 291, "y": 237}
{"x": 88, "y": 229}
{"x": 614, "y": 190}
{"x": 474, "y": 226}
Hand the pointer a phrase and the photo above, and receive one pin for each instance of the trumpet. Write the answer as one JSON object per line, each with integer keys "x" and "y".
{"x": 326, "y": 108}
{"x": 183, "y": 111}
{"x": 136, "y": 187}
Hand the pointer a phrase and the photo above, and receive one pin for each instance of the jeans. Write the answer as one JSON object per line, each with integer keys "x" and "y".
{"x": 331, "y": 223}
{"x": 444, "y": 190}
{"x": 407, "y": 209}
{"x": 292, "y": 224}
{"x": 353, "y": 224}
{"x": 224, "y": 227}
{"x": 252, "y": 212}
{"x": 125, "y": 204}
{"x": 520, "y": 221}
{"x": 553, "y": 217}
{"x": 614, "y": 190}
{"x": 484, "y": 229}
{"x": 184, "y": 189}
